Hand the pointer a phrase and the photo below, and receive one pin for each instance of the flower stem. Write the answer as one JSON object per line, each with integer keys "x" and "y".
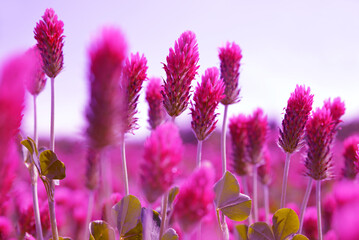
{"x": 35, "y": 121}
{"x": 223, "y": 140}
{"x": 89, "y": 212}
{"x": 52, "y": 125}
{"x": 163, "y": 213}
{"x": 124, "y": 166}
{"x": 285, "y": 180}
{"x": 35, "y": 201}
{"x": 319, "y": 211}
{"x": 255, "y": 198}
{"x": 304, "y": 204}
{"x": 199, "y": 153}
{"x": 51, "y": 201}
{"x": 246, "y": 192}
{"x": 266, "y": 202}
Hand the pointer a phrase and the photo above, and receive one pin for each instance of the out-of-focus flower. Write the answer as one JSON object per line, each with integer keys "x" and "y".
{"x": 107, "y": 55}
{"x": 134, "y": 73}
{"x": 337, "y": 110}
{"x": 264, "y": 170}
{"x": 162, "y": 153}
{"x": 49, "y": 35}
{"x": 206, "y": 99}
{"x": 92, "y": 166}
{"x": 345, "y": 221}
{"x": 5, "y": 227}
{"x": 181, "y": 69}
{"x": 238, "y": 132}
{"x": 350, "y": 160}
{"x": 310, "y": 226}
{"x": 37, "y": 80}
{"x": 257, "y": 127}
{"x": 296, "y": 115}
{"x": 195, "y": 198}
{"x": 230, "y": 57}
{"x": 318, "y": 136}
{"x": 154, "y": 98}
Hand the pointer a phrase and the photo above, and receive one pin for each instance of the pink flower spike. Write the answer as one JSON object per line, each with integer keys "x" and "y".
{"x": 195, "y": 198}
{"x": 206, "y": 99}
{"x": 181, "y": 69}
{"x": 296, "y": 116}
{"x": 350, "y": 157}
{"x": 49, "y": 35}
{"x": 37, "y": 81}
{"x": 156, "y": 112}
{"x": 107, "y": 55}
{"x": 257, "y": 132}
{"x": 230, "y": 57}
{"x": 337, "y": 110}
{"x": 319, "y": 137}
{"x": 238, "y": 131}
{"x": 162, "y": 153}
{"x": 134, "y": 73}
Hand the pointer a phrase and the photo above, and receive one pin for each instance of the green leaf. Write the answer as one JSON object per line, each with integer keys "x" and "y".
{"x": 300, "y": 237}
{"x": 229, "y": 200}
{"x": 172, "y": 195}
{"x": 30, "y": 145}
{"x": 241, "y": 232}
{"x": 62, "y": 238}
{"x": 128, "y": 212}
{"x": 170, "y": 234}
{"x": 260, "y": 231}
{"x": 51, "y": 166}
{"x": 101, "y": 230}
{"x": 285, "y": 223}
{"x": 135, "y": 233}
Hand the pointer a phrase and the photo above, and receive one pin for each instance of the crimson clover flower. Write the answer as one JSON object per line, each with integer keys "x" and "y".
{"x": 154, "y": 98}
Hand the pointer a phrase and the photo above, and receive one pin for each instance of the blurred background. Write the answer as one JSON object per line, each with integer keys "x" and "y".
{"x": 283, "y": 43}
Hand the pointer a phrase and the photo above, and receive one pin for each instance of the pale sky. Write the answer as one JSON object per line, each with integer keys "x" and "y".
{"x": 283, "y": 43}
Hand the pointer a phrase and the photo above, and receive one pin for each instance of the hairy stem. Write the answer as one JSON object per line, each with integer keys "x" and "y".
{"x": 51, "y": 201}
{"x": 124, "y": 166}
{"x": 163, "y": 213}
{"x": 319, "y": 211}
{"x": 35, "y": 201}
{"x": 304, "y": 204}
{"x": 52, "y": 125}
{"x": 36, "y": 139}
{"x": 223, "y": 140}
{"x": 266, "y": 202}
{"x": 255, "y": 198}
{"x": 199, "y": 153}
{"x": 285, "y": 180}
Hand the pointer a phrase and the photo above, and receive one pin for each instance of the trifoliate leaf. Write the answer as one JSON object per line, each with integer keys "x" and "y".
{"x": 51, "y": 166}
{"x": 62, "y": 238}
{"x": 300, "y": 237}
{"x": 30, "y": 145}
{"x": 172, "y": 195}
{"x": 170, "y": 234}
{"x": 241, "y": 232}
{"x": 260, "y": 231}
{"x": 101, "y": 230}
{"x": 285, "y": 223}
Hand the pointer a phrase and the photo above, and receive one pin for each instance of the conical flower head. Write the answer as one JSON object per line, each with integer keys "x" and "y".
{"x": 37, "y": 80}
{"x": 154, "y": 98}
{"x": 350, "y": 159}
{"x": 162, "y": 153}
{"x": 257, "y": 127}
{"x": 181, "y": 69}
{"x": 206, "y": 99}
{"x": 107, "y": 55}
{"x": 230, "y": 57}
{"x": 195, "y": 198}
{"x": 319, "y": 137}
{"x": 337, "y": 110}
{"x": 238, "y": 131}
{"x": 49, "y": 35}
{"x": 134, "y": 74}
{"x": 296, "y": 115}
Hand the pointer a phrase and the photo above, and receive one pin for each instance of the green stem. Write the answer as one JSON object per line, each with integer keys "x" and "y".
{"x": 266, "y": 202}
{"x": 163, "y": 213}
{"x": 255, "y": 198}
{"x": 199, "y": 153}
{"x": 304, "y": 204}
{"x": 223, "y": 140}
{"x": 285, "y": 180}
{"x": 51, "y": 201}
{"x": 35, "y": 201}
{"x": 124, "y": 166}
{"x": 319, "y": 211}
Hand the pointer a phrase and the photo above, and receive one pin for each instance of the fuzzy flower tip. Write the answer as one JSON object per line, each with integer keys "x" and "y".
{"x": 296, "y": 116}
{"x": 36, "y": 81}
{"x": 156, "y": 113}
{"x": 264, "y": 170}
{"x": 257, "y": 132}
{"x": 134, "y": 74}
{"x": 162, "y": 154}
{"x": 230, "y": 57}
{"x": 238, "y": 131}
{"x": 49, "y": 35}
{"x": 195, "y": 199}
{"x": 319, "y": 137}
{"x": 206, "y": 99}
{"x": 337, "y": 110}
{"x": 350, "y": 157}
{"x": 107, "y": 55}
{"x": 181, "y": 69}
